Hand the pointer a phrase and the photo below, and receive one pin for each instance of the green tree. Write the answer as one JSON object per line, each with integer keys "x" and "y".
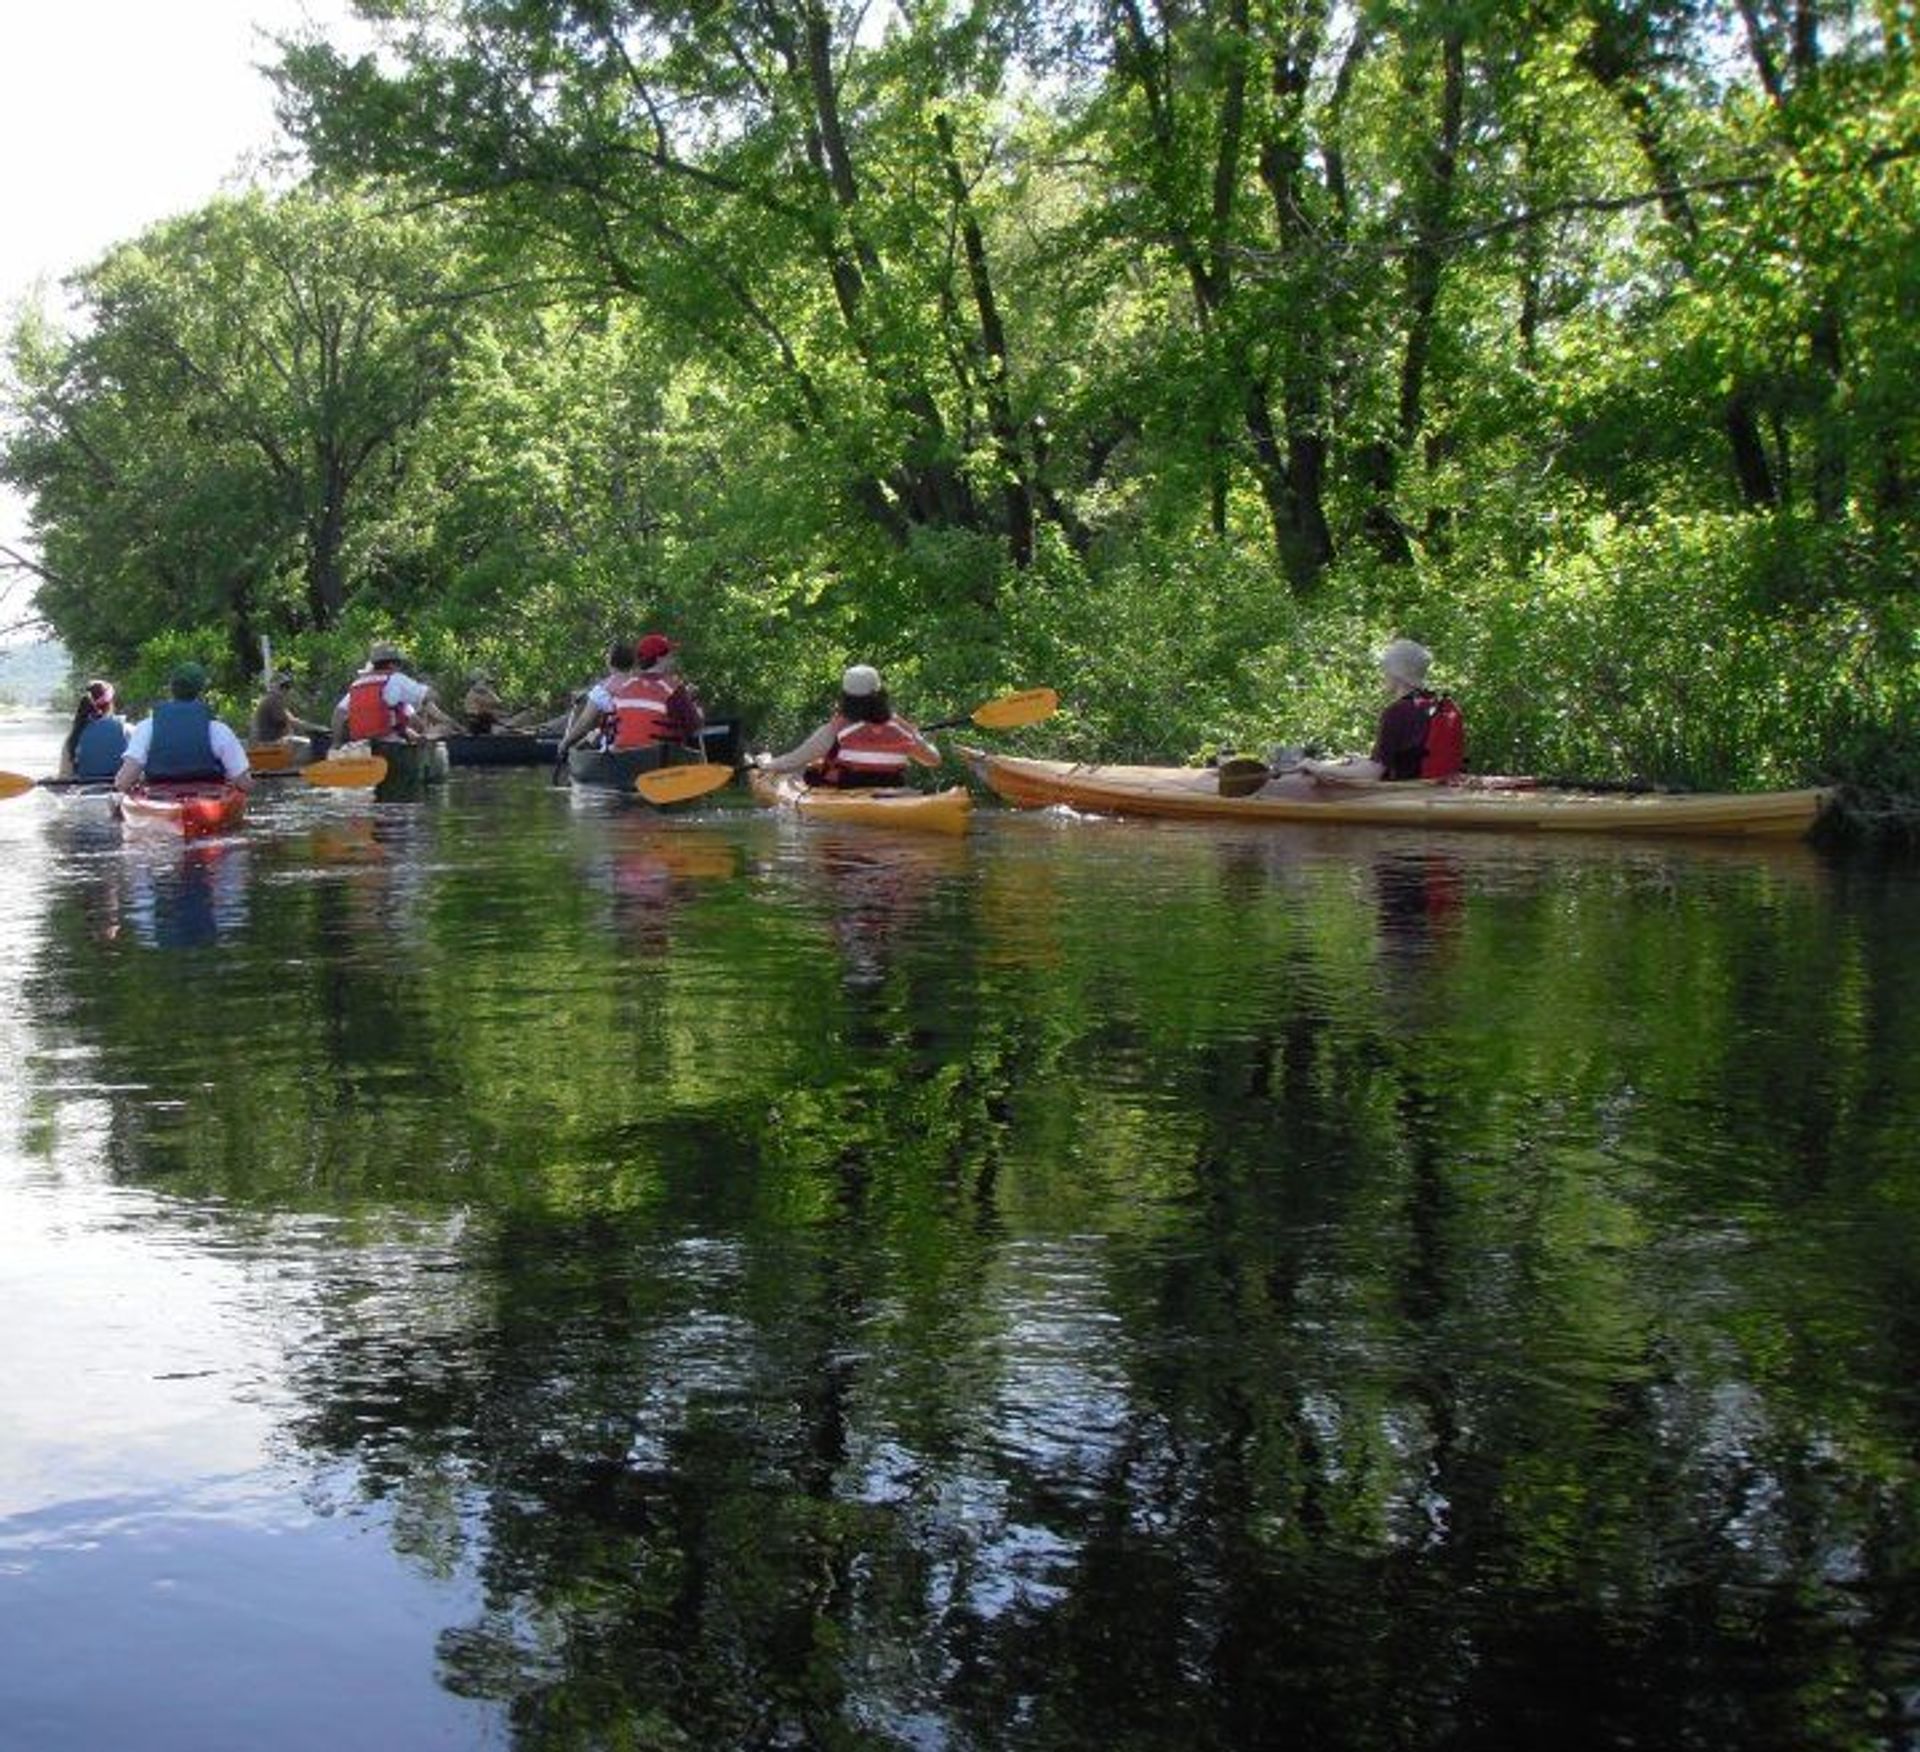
{"x": 216, "y": 445}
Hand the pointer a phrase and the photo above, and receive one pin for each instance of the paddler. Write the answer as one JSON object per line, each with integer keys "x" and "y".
{"x": 383, "y": 703}
{"x": 274, "y": 719}
{"x": 181, "y": 739}
{"x": 864, "y": 743}
{"x": 641, "y": 700}
{"x": 97, "y": 740}
{"x": 1420, "y": 734}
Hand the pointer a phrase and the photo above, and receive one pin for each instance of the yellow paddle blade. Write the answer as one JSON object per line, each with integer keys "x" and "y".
{"x": 680, "y": 784}
{"x": 14, "y": 784}
{"x": 1012, "y": 710}
{"x": 350, "y": 772}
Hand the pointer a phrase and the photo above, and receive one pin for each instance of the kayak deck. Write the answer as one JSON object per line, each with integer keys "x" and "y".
{"x": 918, "y": 811}
{"x": 1193, "y": 793}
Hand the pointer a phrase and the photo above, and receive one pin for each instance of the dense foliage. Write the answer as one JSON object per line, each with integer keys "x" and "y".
{"x": 1172, "y": 355}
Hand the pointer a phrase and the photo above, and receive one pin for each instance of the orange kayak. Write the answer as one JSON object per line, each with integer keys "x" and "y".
{"x": 191, "y": 809}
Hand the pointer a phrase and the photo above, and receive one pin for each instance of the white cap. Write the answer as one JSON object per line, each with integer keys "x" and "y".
{"x": 860, "y": 680}
{"x": 1405, "y": 662}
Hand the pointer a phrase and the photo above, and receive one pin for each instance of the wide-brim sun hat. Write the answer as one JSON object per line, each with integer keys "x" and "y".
{"x": 381, "y": 652}
{"x": 859, "y": 681}
{"x": 1406, "y": 662}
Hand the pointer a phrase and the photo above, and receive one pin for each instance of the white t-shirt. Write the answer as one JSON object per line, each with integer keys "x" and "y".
{"x": 226, "y": 746}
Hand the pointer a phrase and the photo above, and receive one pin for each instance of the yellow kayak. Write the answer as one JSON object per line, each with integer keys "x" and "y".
{"x": 1194, "y": 793}
{"x": 921, "y": 811}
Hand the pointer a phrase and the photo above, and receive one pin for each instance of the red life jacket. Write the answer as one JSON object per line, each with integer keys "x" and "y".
{"x": 1445, "y": 756}
{"x": 639, "y": 715}
{"x": 870, "y": 753}
{"x": 368, "y": 714}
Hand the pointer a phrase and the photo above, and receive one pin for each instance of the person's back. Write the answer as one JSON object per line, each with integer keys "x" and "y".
{"x": 180, "y": 745}
{"x": 99, "y": 746}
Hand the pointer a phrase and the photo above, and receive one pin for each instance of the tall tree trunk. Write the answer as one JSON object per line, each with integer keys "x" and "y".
{"x": 1016, "y": 488}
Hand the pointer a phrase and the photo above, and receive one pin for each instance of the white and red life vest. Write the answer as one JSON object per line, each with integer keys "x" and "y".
{"x": 639, "y": 715}
{"x": 871, "y": 751}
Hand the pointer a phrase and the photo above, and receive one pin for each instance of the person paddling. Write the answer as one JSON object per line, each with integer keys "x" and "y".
{"x": 1421, "y": 734}
{"x": 274, "y": 719}
{"x": 97, "y": 740}
{"x": 640, "y": 701}
{"x": 864, "y": 743}
{"x": 383, "y": 703}
{"x": 181, "y": 740}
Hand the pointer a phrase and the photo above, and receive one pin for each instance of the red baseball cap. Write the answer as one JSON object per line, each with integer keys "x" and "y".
{"x": 653, "y": 647}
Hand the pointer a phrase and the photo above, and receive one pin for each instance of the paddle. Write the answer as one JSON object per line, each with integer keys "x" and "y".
{"x": 680, "y": 784}
{"x": 346, "y": 771}
{"x": 16, "y": 784}
{"x": 1008, "y": 712}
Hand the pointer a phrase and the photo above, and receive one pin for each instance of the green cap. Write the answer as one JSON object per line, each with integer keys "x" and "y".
{"x": 189, "y": 679}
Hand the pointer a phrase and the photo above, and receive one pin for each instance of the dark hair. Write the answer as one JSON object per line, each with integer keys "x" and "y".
{"x": 866, "y": 708}
{"x": 620, "y": 654}
{"x": 83, "y": 715}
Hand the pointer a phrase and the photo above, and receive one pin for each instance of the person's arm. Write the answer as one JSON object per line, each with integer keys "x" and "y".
{"x": 133, "y": 763}
{"x": 684, "y": 717}
{"x": 922, "y": 751}
{"x": 815, "y": 749}
{"x": 585, "y": 715}
{"x": 337, "y": 729}
{"x": 1348, "y": 769}
{"x": 231, "y": 756}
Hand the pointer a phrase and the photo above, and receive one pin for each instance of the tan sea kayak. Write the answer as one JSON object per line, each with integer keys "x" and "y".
{"x": 919, "y": 811}
{"x": 1194, "y": 793}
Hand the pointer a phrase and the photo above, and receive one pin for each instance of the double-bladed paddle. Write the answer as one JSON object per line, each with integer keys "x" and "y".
{"x": 1008, "y": 712}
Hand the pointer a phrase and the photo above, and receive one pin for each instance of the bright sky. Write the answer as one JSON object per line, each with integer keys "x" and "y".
{"x": 118, "y": 113}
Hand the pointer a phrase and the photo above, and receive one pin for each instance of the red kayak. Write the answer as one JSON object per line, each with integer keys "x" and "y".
{"x": 191, "y": 809}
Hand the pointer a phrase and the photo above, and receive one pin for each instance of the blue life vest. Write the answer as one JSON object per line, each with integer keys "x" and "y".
{"x": 97, "y": 752}
{"x": 181, "y": 747}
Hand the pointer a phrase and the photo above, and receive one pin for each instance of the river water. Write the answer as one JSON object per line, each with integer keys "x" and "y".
{"x": 516, "y": 1271}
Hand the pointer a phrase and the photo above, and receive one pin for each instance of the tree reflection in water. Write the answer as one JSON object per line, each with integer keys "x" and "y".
{"x": 1107, "y": 1288}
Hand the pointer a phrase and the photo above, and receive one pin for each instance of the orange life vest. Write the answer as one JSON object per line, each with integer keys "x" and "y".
{"x": 872, "y": 751}
{"x": 639, "y": 715}
{"x": 368, "y": 714}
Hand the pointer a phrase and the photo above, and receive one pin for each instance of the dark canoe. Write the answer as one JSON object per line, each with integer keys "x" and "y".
{"x": 411, "y": 768}
{"x": 503, "y": 748}
{"x": 610, "y": 769}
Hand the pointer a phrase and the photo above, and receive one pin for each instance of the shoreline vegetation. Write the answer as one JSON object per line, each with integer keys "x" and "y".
{"x": 1177, "y": 362}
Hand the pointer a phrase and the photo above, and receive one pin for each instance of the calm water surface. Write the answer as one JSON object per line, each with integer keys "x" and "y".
{"x": 517, "y": 1272}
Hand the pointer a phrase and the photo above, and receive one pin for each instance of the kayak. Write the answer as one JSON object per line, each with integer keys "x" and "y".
{"x": 920, "y": 811}
{"x": 1193, "y": 793}
{"x": 190, "y": 809}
